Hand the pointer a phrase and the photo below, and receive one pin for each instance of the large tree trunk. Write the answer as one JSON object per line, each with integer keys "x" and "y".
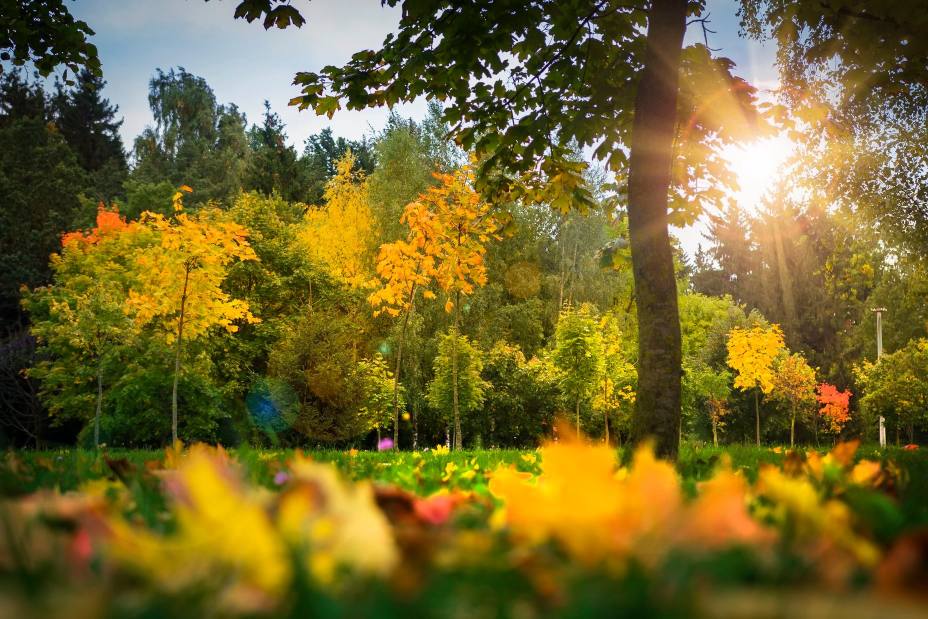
{"x": 657, "y": 409}
{"x": 177, "y": 354}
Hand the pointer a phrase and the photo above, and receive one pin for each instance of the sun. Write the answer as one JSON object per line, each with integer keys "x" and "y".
{"x": 757, "y": 166}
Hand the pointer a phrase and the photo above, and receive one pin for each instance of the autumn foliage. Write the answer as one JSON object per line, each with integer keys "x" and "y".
{"x": 835, "y": 406}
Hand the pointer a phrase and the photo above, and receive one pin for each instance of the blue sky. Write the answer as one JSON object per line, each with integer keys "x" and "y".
{"x": 245, "y": 64}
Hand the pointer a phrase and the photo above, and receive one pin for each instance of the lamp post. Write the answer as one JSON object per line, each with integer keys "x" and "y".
{"x": 879, "y": 330}
{"x": 879, "y": 353}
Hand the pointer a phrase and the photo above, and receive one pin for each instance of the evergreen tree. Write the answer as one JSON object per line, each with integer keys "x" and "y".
{"x": 194, "y": 142}
{"x": 273, "y": 165}
{"x": 88, "y": 123}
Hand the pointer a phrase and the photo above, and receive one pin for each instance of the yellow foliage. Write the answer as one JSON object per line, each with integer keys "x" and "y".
{"x": 340, "y": 235}
{"x": 599, "y": 513}
{"x": 188, "y": 267}
{"x": 448, "y": 228}
{"x": 751, "y": 353}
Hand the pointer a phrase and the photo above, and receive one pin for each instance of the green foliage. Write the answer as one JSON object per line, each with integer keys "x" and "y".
{"x": 45, "y": 34}
{"x": 578, "y": 354}
{"x": 317, "y": 355}
{"x": 39, "y": 180}
{"x": 377, "y": 392}
{"x": 470, "y": 384}
{"x": 896, "y": 387}
{"x": 194, "y": 141}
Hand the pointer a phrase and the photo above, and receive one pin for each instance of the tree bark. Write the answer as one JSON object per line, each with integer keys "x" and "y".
{"x": 177, "y": 354}
{"x": 458, "y": 439}
{"x": 96, "y": 417}
{"x": 396, "y": 372}
{"x": 578, "y": 417}
{"x": 657, "y": 409}
{"x": 757, "y": 417}
{"x": 792, "y": 428}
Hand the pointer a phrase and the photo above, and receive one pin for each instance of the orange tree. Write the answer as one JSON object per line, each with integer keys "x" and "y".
{"x": 465, "y": 225}
{"x": 448, "y": 227}
{"x": 835, "y": 407}
{"x": 751, "y": 353}
{"x": 179, "y": 287}
{"x": 405, "y": 267}
{"x": 794, "y": 384}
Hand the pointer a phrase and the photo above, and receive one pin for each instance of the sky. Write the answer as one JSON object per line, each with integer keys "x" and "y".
{"x": 246, "y": 65}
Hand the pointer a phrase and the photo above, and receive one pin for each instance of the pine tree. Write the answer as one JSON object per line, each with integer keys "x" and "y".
{"x": 88, "y": 123}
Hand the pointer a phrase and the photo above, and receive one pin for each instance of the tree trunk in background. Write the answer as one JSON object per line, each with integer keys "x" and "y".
{"x": 458, "y": 439}
{"x": 757, "y": 417}
{"x": 396, "y": 371}
{"x": 96, "y": 417}
{"x": 657, "y": 409}
{"x": 177, "y": 354}
{"x": 578, "y": 417}
{"x": 792, "y": 428}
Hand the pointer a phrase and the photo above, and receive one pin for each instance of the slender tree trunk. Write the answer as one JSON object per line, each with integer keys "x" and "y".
{"x": 792, "y": 428}
{"x": 177, "y": 354}
{"x": 396, "y": 371}
{"x": 715, "y": 433}
{"x": 578, "y": 417}
{"x": 657, "y": 409}
{"x": 606, "y": 410}
{"x": 458, "y": 439}
{"x": 415, "y": 427}
{"x": 757, "y": 417}
{"x": 96, "y": 417}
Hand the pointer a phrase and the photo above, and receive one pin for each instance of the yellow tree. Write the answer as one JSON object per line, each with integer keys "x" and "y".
{"x": 404, "y": 267}
{"x": 178, "y": 288}
{"x": 464, "y": 224}
{"x": 794, "y": 384}
{"x": 751, "y": 353}
{"x": 340, "y": 235}
{"x": 617, "y": 376}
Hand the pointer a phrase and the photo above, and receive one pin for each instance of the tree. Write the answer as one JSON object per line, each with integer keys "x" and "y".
{"x": 180, "y": 281}
{"x": 321, "y": 154}
{"x": 712, "y": 389}
{"x": 896, "y": 386}
{"x": 464, "y": 225}
{"x": 39, "y": 181}
{"x": 751, "y": 353}
{"x": 619, "y": 377}
{"x": 88, "y": 123}
{"x": 79, "y": 318}
{"x": 835, "y": 406}
{"x": 194, "y": 141}
{"x": 404, "y": 267}
{"x": 794, "y": 383}
{"x": 607, "y": 79}
{"x": 340, "y": 235}
{"x": 457, "y": 384}
{"x": 273, "y": 165}
{"x": 579, "y": 354}
{"x": 377, "y": 397}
